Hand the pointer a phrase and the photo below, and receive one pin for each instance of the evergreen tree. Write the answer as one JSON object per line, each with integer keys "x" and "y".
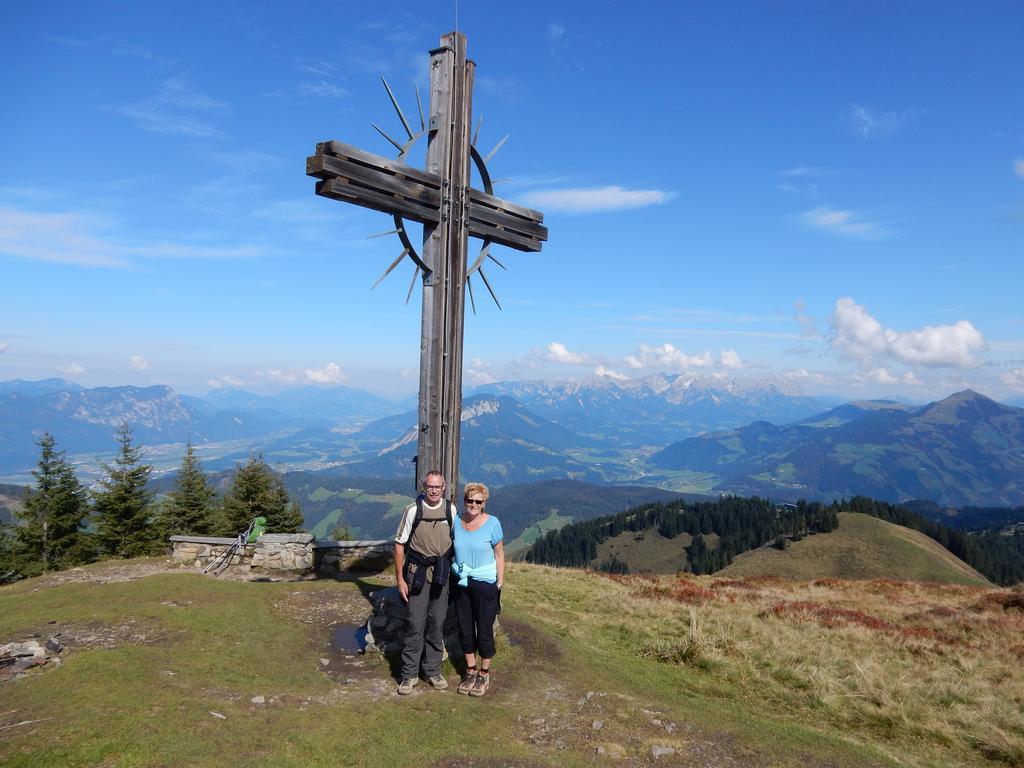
{"x": 8, "y": 572}
{"x": 258, "y": 491}
{"x": 123, "y": 504}
{"x": 189, "y": 508}
{"x": 49, "y": 537}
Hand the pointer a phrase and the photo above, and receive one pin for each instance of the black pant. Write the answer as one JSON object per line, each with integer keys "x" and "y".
{"x": 476, "y": 606}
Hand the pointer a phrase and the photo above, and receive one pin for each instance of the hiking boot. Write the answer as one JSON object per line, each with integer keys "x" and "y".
{"x": 405, "y": 687}
{"x": 467, "y": 683}
{"x": 438, "y": 683}
{"x": 480, "y": 685}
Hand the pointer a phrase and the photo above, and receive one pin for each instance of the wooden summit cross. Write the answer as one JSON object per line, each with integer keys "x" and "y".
{"x": 450, "y": 210}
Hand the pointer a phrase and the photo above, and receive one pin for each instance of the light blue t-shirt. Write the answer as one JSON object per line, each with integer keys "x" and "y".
{"x": 475, "y": 549}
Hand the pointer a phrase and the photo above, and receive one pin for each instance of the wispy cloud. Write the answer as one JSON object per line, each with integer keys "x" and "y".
{"x": 133, "y": 51}
{"x": 555, "y": 31}
{"x": 874, "y": 124}
{"x": 803, "y": 171}
{"x": 1018, "y": 167}
{"x": 1014, "y": 379}
{"x": 323, "y": 89}
{"x": 596, "y": 199}
{"x": 860, "y": 337}
{"x": 178, "y": 108}
{"x": 4, "y": 347}
{"x": 224, "y": 382}
{"x": 846, "y": 223}
{"x": 71, "y": 369}
{"x": 138, "y": 362}
{"x": 78, "y": 239}
{"x": 808, "y": 325}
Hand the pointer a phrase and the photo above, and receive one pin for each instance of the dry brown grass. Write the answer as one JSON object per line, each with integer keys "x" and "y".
{"x": 906, "y": 660}
{"x": 932, "y": 672}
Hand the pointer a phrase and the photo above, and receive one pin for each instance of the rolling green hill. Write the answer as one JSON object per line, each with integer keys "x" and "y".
{"x": 863, "y": 547}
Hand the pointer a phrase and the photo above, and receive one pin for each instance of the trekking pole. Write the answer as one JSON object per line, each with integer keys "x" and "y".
{"x": 220, "y": 563}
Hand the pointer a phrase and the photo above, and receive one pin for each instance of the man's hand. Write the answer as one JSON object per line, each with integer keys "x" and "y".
{"x": 403, "y": 590}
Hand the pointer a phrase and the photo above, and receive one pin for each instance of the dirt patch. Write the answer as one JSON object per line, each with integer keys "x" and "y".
{"x": 81, "y": 636}
{"x": 107, "y": 572}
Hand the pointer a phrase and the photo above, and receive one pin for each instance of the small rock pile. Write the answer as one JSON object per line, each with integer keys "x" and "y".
{"x": 17, "y": 658}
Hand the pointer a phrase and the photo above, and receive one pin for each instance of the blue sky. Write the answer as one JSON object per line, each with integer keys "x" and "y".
{"x": 828, "y": 195}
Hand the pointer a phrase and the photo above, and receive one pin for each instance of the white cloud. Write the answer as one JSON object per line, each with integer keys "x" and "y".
{"x": 1018, "y": 167}
{"x": 729, "y": 358}
{"x": 1014, "y": 379}
{"x": 555, "y": 31}
{"x": 873, "y": 124}
{"x": 666, "y": 357}
{"x": 558, "y": 353}
{"x": 4, "y": 347}
{"x": 77, "y": 239}
{"x": 840, "y": 222}
{"x": 596, "y": 199}
{"x": 71, "y": 369}
{"x": 610, "y": 373}
{"x": 860, "y": 337}
{"x": 329, "y": 374}
{"x": 138, "y": 362}
{"x": 223, "y": 382}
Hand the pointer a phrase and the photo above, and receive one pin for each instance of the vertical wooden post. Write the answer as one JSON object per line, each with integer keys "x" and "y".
{"x": 444, "y": 253}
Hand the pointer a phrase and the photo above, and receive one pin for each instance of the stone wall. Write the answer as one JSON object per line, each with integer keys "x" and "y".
{"x": 333, "y": 557}
{"x": 298, "y": 554}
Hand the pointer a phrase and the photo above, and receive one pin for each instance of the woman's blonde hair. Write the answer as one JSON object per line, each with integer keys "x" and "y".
{"x": 476, "y": 488}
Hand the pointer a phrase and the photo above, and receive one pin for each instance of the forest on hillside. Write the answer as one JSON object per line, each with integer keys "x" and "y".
{"x": 742, "y": 524}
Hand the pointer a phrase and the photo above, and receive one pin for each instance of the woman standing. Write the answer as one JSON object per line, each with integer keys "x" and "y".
{"x": 480, "y": 567}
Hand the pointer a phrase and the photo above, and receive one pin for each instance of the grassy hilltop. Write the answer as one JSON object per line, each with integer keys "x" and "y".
{"x": 168, "y": 668}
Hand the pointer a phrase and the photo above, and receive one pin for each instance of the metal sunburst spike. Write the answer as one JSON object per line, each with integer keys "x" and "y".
{"x": 415, "y": 274}
{"x": 402, "y": 255}
{"x": 381, "y": 132}
{"x": 398, "y": 109}
{"x": 495, "y": 150}
{"x": 489, "y": 289}
{"x": 472, "y": 301}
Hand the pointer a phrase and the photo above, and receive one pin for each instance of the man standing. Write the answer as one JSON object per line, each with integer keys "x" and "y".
{"x": 423, "y": 552}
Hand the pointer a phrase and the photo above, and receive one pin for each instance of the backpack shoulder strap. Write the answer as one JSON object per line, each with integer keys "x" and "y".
{"x": 416, "y": 520}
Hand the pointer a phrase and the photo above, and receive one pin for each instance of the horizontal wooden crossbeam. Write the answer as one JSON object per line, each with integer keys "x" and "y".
{"x": 506, "y": 223}
{"x": 354, "y": 176}
{"x": 365, "y": 179}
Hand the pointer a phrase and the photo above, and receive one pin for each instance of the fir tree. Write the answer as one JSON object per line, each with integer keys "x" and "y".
{"x": 49, "y": 537}
{"x": 123, "y": 505}
{"x": 189, "y": 508}
{"x": 256, "y": 492}
{"x": 8, "y": 572}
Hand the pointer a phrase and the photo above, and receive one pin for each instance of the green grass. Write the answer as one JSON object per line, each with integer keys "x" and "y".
{"x": 863, "y": 547}
{"x": 525, "y": 540}
{"x": 191, "y": 645}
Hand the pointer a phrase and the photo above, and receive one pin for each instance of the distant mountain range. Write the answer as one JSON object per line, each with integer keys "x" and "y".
{"x": 659, "y": 408}
{"x": 963, "y": 450}
{"x": 698, "y": 435}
